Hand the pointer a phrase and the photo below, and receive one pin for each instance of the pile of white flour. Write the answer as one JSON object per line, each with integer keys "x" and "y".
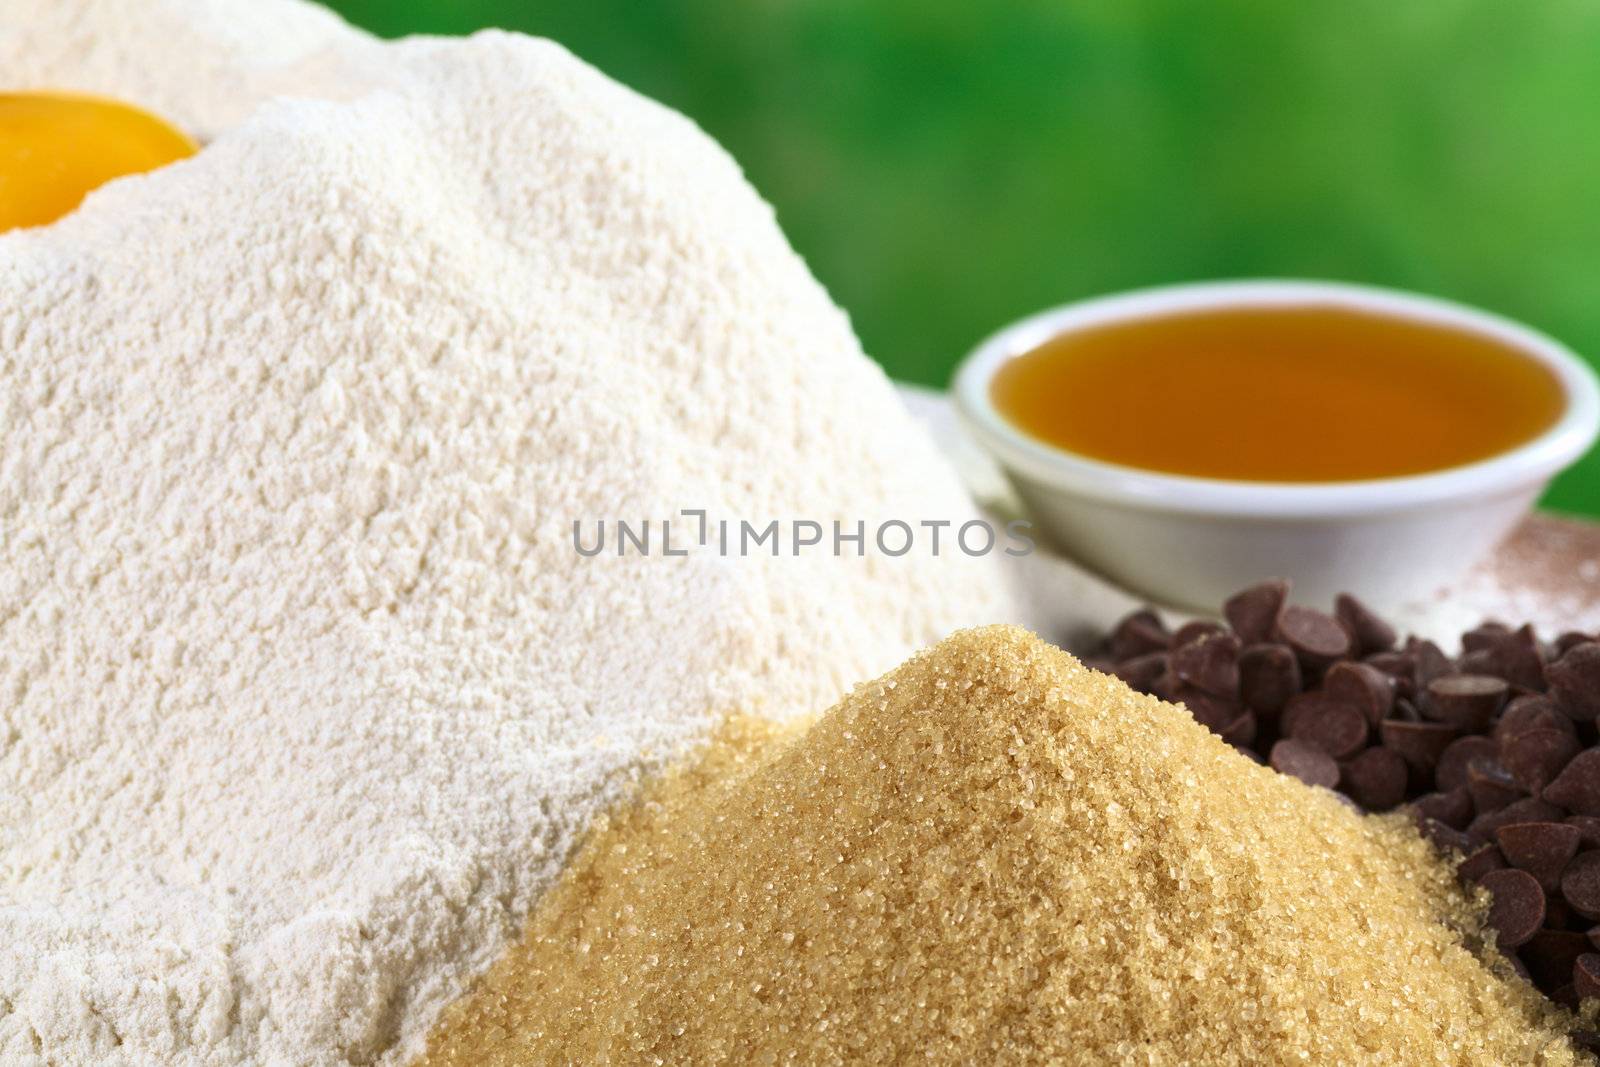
{"x": 304, "y": 691}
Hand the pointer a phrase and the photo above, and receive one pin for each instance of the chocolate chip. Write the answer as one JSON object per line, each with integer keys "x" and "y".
{"x": 1531, "y": 713}
{"x": 1318, "y": 639}
{"x": 1550, "y": 955}
{"x": 1588, "y": 829}
{"x": 1362, "y": 685}
{"x": 1558, "y": 914}
{"x": 1543, "y": 849}
{"x": 1466, "y": 701}
{"x": 1142, "y": 672}
{"x": 1491, "y": 785}
{"x": 1268, "y": 676}
{"x": 1209, "y": 663}
{"x": 1405, "y": 711}
{"x": 1528, "y": 809}
{"x": 1570, "y": 640}
{"x": 1451, "y": 770}
{"x": 1139, "y": 633}
{"x": 1586, "y": 976}
{"x": 1212, "y": 712}
{"x": 1518, "y": 908}
{"x": 1253, "y": 612}
{"x": 1420, "y": 744}
{"x": 1483, "y": 635}
{"x": 1479, "y": 662}
{"x": 1241, "y": 732}
{"x": 1370, "y": 633}
{"x": 1194, "y": 631}
{"x": 1430, "y": 663}
{"x": 1534, "y": 758}
{"x": 1394, "y": 664}
{"x": 1575, "y": 681}
{"x": 1454, "y": 808}
{"x": 1586, "y": 1039}
{"x": 1480, "y": 862}
{"x": 1580, "y": 884}
{"x": 1337, "y": 728}
{"x": 1577, "y": 787}
{"x": 1445, "y": 838}
{"x": 1400, "y": 668}
{"x": 1375, "y": 779}
{"x": 1304, "y": 761}
{"x": 1515, "y": 656}
{"x": 1300, "y": 704}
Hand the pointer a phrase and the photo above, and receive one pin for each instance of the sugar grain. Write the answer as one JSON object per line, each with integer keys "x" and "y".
{"x": 995, "y": 855}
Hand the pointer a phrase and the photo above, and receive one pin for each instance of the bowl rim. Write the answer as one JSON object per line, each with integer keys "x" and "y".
{"x": 1569, "y": 437}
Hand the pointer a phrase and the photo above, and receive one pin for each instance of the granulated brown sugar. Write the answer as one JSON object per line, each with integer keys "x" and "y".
{"x": 995, "y": 855}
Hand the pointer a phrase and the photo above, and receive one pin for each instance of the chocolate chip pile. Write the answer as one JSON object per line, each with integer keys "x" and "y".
{"x": 1495, "y": 750}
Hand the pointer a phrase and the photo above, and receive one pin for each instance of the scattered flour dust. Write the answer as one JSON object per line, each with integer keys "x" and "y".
{"x": 304, "y": 693}
{"x": 1547, "y": 573}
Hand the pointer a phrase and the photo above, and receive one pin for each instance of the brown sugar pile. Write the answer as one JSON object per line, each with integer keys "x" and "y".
{"x": 996, "y": 855}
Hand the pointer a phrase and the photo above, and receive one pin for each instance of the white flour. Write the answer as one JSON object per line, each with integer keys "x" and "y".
{"x": 304, "y": 692}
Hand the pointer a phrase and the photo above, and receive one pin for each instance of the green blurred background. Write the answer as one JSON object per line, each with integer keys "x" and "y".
{"x": 948, "y": 166}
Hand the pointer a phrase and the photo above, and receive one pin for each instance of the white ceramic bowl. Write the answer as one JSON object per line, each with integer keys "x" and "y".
{"x": 1191, "y": 542}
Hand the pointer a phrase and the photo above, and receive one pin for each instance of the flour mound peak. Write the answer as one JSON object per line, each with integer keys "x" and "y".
{"x": 307, "y": 694}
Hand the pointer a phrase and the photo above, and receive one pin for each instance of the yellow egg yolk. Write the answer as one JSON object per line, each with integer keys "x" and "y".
{"x": 55, "y": 148}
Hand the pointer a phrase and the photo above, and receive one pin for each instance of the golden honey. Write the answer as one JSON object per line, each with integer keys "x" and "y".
{"x": 1279, "y": 394}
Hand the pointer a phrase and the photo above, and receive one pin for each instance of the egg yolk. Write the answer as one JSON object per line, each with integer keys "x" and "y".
{"x": 55, "y": 148}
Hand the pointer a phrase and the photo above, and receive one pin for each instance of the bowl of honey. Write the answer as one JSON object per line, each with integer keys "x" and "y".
{"x": 1189, "y": 440}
